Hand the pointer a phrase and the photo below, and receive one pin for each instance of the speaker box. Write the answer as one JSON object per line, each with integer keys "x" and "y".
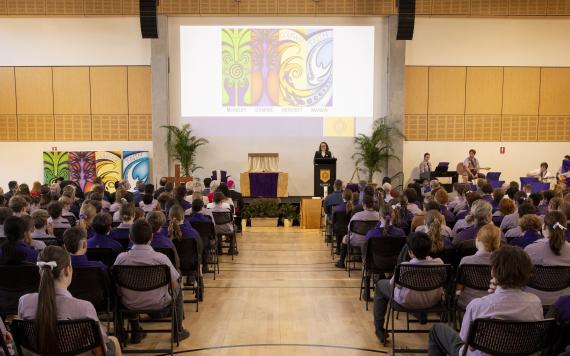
{"x": 149, "y": 28}
{"x": 406, "y": 18}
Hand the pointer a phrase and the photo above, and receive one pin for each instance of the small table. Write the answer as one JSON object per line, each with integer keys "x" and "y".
{"x": 264, "y": 184}
{"x": 311, "y": 213}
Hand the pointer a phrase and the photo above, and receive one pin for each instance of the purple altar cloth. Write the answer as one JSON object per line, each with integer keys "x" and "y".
{"x": 263, "y": 184}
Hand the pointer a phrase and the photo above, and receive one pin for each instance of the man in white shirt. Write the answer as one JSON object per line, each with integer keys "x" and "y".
{"x": 542, "y": 173}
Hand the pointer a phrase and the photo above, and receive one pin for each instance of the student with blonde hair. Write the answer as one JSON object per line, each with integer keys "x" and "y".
{"x": 437, "y": 230}
{"x": 86, "y": 216}
{"x": 479, "y": 216}
{"x": 178, "y": 227}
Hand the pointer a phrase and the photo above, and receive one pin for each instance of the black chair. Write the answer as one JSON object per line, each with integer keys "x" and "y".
{"x": 72, "y": 220}
{"x": 143, "y": 279}
{"x": 360, "y": 227}
{"x": 172, "y": 255}
{"x": 73, "y": 336}
{"x": 472, "y": 276}
{"x": 94, "y": 285}
{"x": 340, "y": 221}
{"x": 50, "y": 241}
{"x": 508, "y": 337}
{"x": 329, "y": 224}
{"x": 419, "y": 278}
{"x": 105, "y": 255}
{"x": 465, "y": 248}
{"x": 208, "y": 235}
{"x": 15, "y": 281}
{"x": 381, "y": 255}
{"x": 550, "y": 279}
{"x": 223, "y": 218}
{"x": 58, "y": 232}
{"x": 189, "y": 256}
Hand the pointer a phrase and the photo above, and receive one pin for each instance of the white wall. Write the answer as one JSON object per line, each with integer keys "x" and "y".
{"x": 65, "y": 42}
{"x": 488, "y": 42}
{"x": 296, "y": 154}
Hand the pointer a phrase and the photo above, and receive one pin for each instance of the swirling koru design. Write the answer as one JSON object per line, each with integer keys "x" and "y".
{"x": 136, "y": 166}
{"x": 82, "y": 169}
{"x": 56, "y": 164}
{"x": 108, "y": 165}
{"x": 236, "y": 67}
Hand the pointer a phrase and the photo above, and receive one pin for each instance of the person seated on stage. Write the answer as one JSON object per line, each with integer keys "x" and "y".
{"x": 479, "y": 216}
{"x": 506, "y": 207}
{"x": 75, "y": 242}
{"x": 530, "y": 226}
{"x": 334, "y": 198}
{"x": 460, "y": 201}
{"x": 419, "y": 246}
{"x": 552, "y": 250}
{"x": 126, "y": 215}
{"x": 15, "y": 250}
{"x": 498, "y": 195}
{"x": 178, "y": 227}
{"x": 511, "y": 269}
{"x": 472, "y": 167}
{"x": 142, "y": 254}
{"x": 40, "y": 221}
{"x": 368, "y": 214}
{"x": 542, "y": 173}
{"x": 19, "y": 205}
{"x": 323, "y": 151}
{"x": 102, "y": 229}
{"x": 413, "y": 203}
{"x": 425, "y": 167}
{"x": 180, "y": 196}
{"x": 512, "y": 220}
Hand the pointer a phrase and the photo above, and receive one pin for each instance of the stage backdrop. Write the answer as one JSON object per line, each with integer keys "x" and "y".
{"x": 83, "y": 167}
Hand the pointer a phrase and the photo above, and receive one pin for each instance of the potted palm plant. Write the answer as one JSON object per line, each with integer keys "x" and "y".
{"x": 183, "y": 146}
{"x": 375, "y": 151}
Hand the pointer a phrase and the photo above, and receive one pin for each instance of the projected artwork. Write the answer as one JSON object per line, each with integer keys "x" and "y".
{"x": 277, "y": 67}
{"x": 56, "y": 164}
{"x": 136, "y": 166}
{"x": 82, "y": 169}
{"x": 108, "y": 165}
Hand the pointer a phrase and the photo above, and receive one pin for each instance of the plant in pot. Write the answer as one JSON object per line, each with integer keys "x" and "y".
{"x": 374, "y": 151}
{"x": 263, "y": 212}
{"x": 182, "y": 146}
{"x": 289, "y": 213}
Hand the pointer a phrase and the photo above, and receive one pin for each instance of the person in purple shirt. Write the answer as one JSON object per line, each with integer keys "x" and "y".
{"x": 178, "y": 227}
{"x": 531, "y": 227}
{"x": 441, "y": 197}
{"x": 126, "y": 216}
{"x": 346, "y": 200}
{"x": 75, "y": 242}
{"x": 334, "y": 198}
{"x": 160, "y": 238}
{"x": 487, "y": 190}
{"x": 15, "y": 251}
{"x": 102, "y": 228}
{"x": 180, "y": 197}
{"x": 479, "y": 216}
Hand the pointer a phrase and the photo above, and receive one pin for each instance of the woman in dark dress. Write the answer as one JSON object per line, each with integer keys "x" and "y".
{"x": 323, "y": 151}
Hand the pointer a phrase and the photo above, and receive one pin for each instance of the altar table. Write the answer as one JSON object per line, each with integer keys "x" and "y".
{"x": 264, "y": 184}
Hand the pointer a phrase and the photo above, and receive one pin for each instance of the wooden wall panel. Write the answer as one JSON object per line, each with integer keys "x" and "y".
{"x": 415, "y": 127}
{"x": 26, "y": 7}
{"x": 110, "y": 128}
{"x": 451, "y": 7}
{"x": 7, "y": 91}
{"x": 558, "y": 7}
{"x": 72, "y": 127}
{"x": 484, "y": 90}
{"x": 423, "y": 7}
{"x": 218, "y": 7}
{"x": 35, "y": 128}
{"x": 131, "y": 7}
{"x": 3, "y": 7}
{"x": 375, "y": 7}
{"x": 521, "y": 90}
{"x": 296, "y": 7}
{"x": 71, "y": 92}
{"x": 527, "y": 7}
{"x": 446, "y": 127}
{"x": 335, "y": 7}
{"x": 140, "y": 127}
{"x": 446, "y": 90}
{"x": 178, "y": 7}
{"x": 109, "y": 90}
{"x": 139, "y": 90}
{"x": 416, "y": 90}
{"x": 554, "y": 128}
{"x": 64, "y": 7}
{"x": 257, "y": 7}
{"x": 34, "y": 93}
{"x": 554, "y": 91}
{"x": 519, "y": 128}
{"x": 489, "y": 7}
{"x": 8, "y": 128}
{"x": 482, "y": 127}
{"x": 103, "y": 7}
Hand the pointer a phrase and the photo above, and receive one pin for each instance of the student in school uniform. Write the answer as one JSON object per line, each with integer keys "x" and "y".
{"x": 498, "y": 195}
{"x": 178, "y": 227}
{"x": 488, "y": 241}
{"x": 460, "y": 200}
{"x": 36, "y": 244}
{"x": 102, "y": 228}
{"x": 334, "y": 198}
{"x": 19, "y": 205}
{"x": 75, "y": 242}
{"x": 5, "y": 213}
{"x": 120, "y": 194}
{"x": 525, "y": 208}
{"x": 40, "y": 218}
{"x": 552, "y": 250}
{"x": 530, "y": 226}
{"x": 512, "y": 220}
{"x": 15, "y": 250}
{"x": 126, "y": 216}
{"x": 160, "y": 239}
{"x": 419, "y": 245}
{"x": 67, "y": 203}
{"x": 54, "y": 302}
{"x": 511, "y": 269}
{"x": 442, "y": 198}
{"x": 142, "y": 254}
{"x": 86, "y": 216}
{"x": 542, "y": 173}
{"x": 479, "y": 216}
{"x": 55, "y": 209}
{"x": 199, "y": 213}
{"x": 487, "y": 192}
{"x": 413, "y": 203}
{"x": 437, "y": 230}
{"x": 180, "y": 196}
{"x": 462, "y": 222}
{"x": 368, "y": 214}
{"x": 506, "y": 207}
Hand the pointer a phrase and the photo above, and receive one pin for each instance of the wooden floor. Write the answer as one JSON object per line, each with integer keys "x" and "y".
{"x": 281, "y": 295}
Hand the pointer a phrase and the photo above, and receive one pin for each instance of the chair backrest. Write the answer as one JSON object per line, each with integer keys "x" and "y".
{"x": 493, "y": 176}
{"x": 550, "y": 278}
{"x": 474, "y": 276}
{"x": 73, "y": 336}
{"x": 222, "y": 217}
{"x": 205, "y": 229}
{"x": 169, "y": 252}
{"x": 466, "y": 248}
{"x": 141, "y": 278}
{"x": 362, "y": 227}
{"x": 188, "y": 255}
{"x": 340, "y": 222}
{"x": 72, "y": 220}
{"x": 508, "y": 337}
{"x": 422, "y": 277}
{"x": 382, "y": 253}
{"x": 105, "y": 255}
{"x": 94, "y": 285}
{"x": 15, "y": 281}
{"x": 58, "y": 232}
{"x": 50, "y": 241}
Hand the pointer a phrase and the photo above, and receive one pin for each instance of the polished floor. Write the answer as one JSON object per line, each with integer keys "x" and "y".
{"x": 281, "y": 295}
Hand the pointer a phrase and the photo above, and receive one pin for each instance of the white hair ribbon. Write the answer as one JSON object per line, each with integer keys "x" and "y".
{"x": 559, "y": 226}
{"x": 51, "y": 264}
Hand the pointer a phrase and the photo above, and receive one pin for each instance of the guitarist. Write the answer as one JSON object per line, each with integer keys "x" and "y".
{"x": 564, "y": 172}
{"x": 472, "y": 166}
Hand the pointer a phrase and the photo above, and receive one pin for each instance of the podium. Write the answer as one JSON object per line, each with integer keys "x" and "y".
{"x": 325, "y": 175}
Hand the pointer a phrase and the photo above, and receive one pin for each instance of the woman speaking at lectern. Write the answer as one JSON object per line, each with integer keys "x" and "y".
{"x": 323, "y": 151}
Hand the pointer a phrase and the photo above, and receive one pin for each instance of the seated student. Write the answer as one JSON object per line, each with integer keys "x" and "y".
{"x": 75, "y": 242}
{"x": 67, "y": 203}
{"x": 530, "y": 226}
{"x": 368, "y": 190}
{"x": 511, "y": 269}
{"x": 419, "y": 245}
{"x": 180, "y": 196}
{"x": 220, "y": 206}
{"x": 95, "y": 195}
{"x": 420, "y": 220}
{"x": 479, "y": 216}
{"x": 36, "y": 244}
{"x": 334, "y": 198}
{"x": 120, "y": 194}
{"x": 368, "y": 214}
{"x": 552, "y": 250}
{"x": 142, "y": 254}
{"x": 512, "y": 220}
{"x": 55, "y": 209}
{"x": 564, "y": 208}
{"x": 412, "y": 196}
{"x": 207, "y": 182}
{"x": 5, "y": 213}
{"x": 148, "y": 202}
{"x": 506, "y": 207}
{"x": 471, "y": 198}
{"x": 525, "y": 208}
{"x": 19, "y": 205}
{"x": 160, "y": 239}
{"x": 441, "y": 197}
{"x": 178, "y": 227}
{"x": 385, "y": 228}
{"x": 54, "y": 302}
{"x": 436, "y": 229}
{"x": 488, "y": 241}
{"x": 487, "y": 192}
{"x": 199, "y": 213}
{"x": 15, "y": 250}
{"x": 346, "y": 201}
{"x": 498, "y": 195}
{"x": 126, "y": 216}
{"x": 460, "y": 200}
{"x": 547, "y": 196}
{"x": 102, "y": 228}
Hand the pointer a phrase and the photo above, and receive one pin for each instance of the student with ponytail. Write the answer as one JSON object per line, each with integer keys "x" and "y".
{"x": 86, "y": 216}
{"x": 552, "y": 250}
{"x": 437, "y": 230}
{"x": 53, "y": 302}
{"x": 178, "y": 227}
{"x": 385, "y": 228}
{"x": 126, "y": 215}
